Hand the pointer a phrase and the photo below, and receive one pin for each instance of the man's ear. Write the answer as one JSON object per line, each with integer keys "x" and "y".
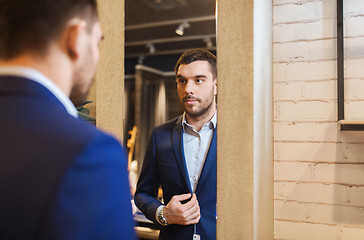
{"x": 215, "y": 86}
{"x": 73, "y": 35}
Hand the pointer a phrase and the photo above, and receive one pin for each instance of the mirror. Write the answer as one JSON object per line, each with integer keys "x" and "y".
{"x": 157, "y": 32}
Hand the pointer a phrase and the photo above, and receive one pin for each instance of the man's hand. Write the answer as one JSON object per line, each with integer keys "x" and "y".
{"x": 184, "y": 214}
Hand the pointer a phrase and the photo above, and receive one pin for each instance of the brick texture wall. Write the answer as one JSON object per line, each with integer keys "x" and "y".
{"x": 319, "y": 171}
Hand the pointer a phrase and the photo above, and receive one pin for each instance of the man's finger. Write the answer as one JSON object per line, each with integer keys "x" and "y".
{"x": 190, "y": 204}
{"x": 182, "y": 197}
{"x": 193, "y": 219}
{"x": 193, "y": 213}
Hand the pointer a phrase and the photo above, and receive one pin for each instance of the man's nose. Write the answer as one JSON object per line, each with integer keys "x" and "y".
{"x": 189, "y": 87}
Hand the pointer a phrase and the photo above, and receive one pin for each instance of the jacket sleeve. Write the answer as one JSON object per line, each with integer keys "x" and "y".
{"x": 146, "y": 194}
{"x": 93, "y": 201}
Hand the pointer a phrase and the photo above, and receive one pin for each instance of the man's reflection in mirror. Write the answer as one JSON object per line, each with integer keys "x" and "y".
{"x": 181, "y": 157}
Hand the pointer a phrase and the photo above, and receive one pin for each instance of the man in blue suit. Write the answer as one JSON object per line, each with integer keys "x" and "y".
{"x": 60, "y": 177}
{"x": 181, "y": 157}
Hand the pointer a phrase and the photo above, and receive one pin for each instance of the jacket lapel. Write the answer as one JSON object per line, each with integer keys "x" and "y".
{"x": 177, "y": 141}
{"x": 210, "y": 162}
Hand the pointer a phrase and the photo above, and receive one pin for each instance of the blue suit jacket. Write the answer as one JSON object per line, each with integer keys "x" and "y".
{"x": 60, "y": 177}
{"x": 164, "y": 165}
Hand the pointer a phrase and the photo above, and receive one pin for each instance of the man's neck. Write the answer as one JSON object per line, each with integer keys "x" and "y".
{"x": 52, "y": 67}
{"x": 198, "y": 122}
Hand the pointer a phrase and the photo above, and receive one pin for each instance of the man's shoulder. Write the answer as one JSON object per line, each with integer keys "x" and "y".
{"x": 73, "y": 132}
{"x": 169, "y": 125}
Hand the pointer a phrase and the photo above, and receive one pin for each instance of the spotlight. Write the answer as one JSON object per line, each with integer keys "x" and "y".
{"x": 141, "y": 59}
{"x": 208, "y": 42}
{"x": 151, "y": 48}
{"x": 180, "y": 29}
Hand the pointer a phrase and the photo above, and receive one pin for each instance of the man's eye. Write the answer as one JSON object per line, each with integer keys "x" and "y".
{"x": 182, "y": 81}
{"x": 198, "y": 81}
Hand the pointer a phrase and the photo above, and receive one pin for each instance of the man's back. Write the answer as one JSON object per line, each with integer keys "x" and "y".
{"x": 59, "y": 177}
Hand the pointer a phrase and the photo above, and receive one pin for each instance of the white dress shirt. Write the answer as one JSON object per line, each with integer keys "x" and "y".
{"x": 196, "y": 146}
{"x": 38, "y": 77}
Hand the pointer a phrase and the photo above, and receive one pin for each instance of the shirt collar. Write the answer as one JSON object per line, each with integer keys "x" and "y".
{"x": 212, "y": 122}
{"x": 38, "y": 77}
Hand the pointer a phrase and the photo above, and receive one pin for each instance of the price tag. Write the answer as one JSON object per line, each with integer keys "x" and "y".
{"x": 196, "y": 237}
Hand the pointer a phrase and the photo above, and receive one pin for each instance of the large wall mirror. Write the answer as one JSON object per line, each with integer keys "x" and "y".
{"x": 156, "y": 34}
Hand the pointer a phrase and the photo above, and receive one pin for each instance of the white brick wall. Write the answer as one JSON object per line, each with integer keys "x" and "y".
{"x": 318, "y": 170}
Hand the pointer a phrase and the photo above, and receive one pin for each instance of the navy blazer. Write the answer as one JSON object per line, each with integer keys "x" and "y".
{"x": 164, "y": 165}
{"x": 60, "y": 177}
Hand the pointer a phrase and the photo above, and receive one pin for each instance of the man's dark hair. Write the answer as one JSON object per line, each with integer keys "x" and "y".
{"x": 31, "y": 25}
{"x": 197, "y": 54}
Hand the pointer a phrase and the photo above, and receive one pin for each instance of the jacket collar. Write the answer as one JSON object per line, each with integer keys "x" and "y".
{"x": 33, "y": 75}
{"x": 210, "y": 162}
{"x": 13, "y": 85}
{"x": 177, "y": 142}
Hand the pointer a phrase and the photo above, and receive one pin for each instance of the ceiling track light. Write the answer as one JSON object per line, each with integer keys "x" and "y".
{"x": 141, "y": 59}
{"x": 208, "y": 42}
{"x": 181, "y": 28}
{"x": 151, "y": 48}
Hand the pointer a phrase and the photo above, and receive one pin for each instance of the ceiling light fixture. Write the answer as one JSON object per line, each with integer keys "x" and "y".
{"x": 141, "y": 59}
{"x": 180, "y": 29}
{"x": 208, "y": 42}
{"x": 151, "y": 48}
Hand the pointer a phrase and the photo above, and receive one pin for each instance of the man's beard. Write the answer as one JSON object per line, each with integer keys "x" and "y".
{"x": 77, "y": 96}
{"x": 81, "y": 83}
{"x": 201, "y": 111}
